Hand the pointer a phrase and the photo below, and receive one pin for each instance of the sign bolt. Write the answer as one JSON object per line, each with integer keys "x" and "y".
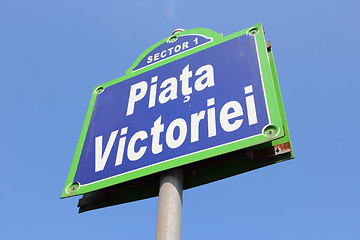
{"x": 173, "y": 37}
{"x": 270, "y": 131}
{"x": 99, "y": 90}
{"x": 253, "y": 31}
{"x": 73, "y": 188}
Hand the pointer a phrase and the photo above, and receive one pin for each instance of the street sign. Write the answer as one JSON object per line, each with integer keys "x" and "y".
{"x": 190, "y": 98}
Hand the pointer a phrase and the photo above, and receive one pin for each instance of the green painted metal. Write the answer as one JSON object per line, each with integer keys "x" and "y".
{"x": 202, "y": 167}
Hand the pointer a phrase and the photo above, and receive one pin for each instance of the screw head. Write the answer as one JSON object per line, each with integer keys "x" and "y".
{"x": 253, "y": 31}
{"x": 72, "y": 188}
{"x": 270, "y": 131}
{"x": 172, "y": 39}
{"x": 99, "y": 90}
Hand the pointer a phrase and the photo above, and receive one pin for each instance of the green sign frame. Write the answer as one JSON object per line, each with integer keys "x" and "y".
{"x": 199, "y": 168}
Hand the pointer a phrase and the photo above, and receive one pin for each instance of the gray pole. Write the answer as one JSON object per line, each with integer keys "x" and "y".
{"x": 168, "y": 223}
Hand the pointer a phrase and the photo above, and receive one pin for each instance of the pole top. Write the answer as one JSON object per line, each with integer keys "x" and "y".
{"x": 177, "y": 31}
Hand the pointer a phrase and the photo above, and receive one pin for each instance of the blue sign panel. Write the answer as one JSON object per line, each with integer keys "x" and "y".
{"x": 205, "y": 100}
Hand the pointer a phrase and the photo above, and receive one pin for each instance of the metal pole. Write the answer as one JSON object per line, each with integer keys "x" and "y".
{"x": 168, "y": 223}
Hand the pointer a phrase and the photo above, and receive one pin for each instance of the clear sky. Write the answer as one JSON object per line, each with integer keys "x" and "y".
{"x": 52, "y": 53}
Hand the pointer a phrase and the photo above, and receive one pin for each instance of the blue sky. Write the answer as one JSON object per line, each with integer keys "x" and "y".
{"x": 52, "y": 53}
